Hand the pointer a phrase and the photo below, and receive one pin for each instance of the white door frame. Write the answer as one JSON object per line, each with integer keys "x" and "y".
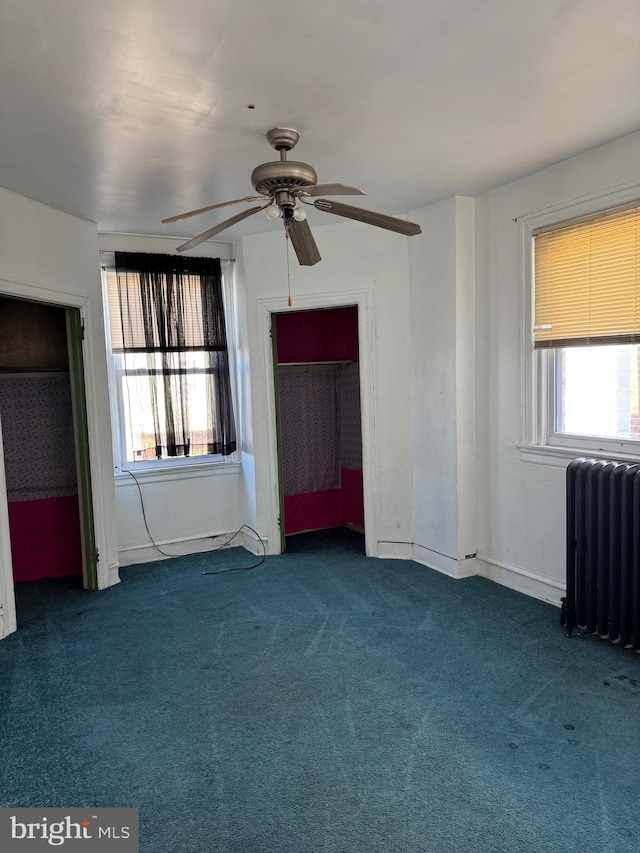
{"x": 64, "y": 299}
{"x": 8, "y": 621}
{"x": 360, "y": 299}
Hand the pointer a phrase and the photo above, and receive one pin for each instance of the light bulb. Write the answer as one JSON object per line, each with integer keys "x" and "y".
{"x": 299, "y": 214}
{"x": 273, "y": 211}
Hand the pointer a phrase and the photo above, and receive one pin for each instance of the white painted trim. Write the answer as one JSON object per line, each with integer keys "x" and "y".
{"x": 114, "y": 573}
{"x": 535, "y": 454}
{"x": 537, "y": 374}
{"x": 181, "y": 545}
{"x": 254, "y": 544}
{"x": 362, "y": 300}
{"x": 8, "y": 620}
{"x": 273, "y": 506}
{"x": 170, "y": 474}
{"x": 586, "y": 205}
{"x": 395, "y": 550}
{"x": 152, "y": 470}
{"x": 467, "y": 568}
{"x": 105, "y": 578}
{"x": 449, "y": 566}
{"x": 30, "y": 289}
{"x": 556, "y": 456}
{"x": 434, "y": 560}
{"x": 38, "y": 291}
{"x": 522, "y": 580}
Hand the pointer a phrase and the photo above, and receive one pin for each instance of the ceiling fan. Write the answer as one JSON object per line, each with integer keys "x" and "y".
{"x": 283, "y": 183}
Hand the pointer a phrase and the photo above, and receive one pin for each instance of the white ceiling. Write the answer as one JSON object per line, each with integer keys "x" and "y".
{"x": 127, "y": 111}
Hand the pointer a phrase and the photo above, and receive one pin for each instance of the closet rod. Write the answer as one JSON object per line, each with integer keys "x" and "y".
{"x": 31, "y": 372}
{"x": 319, "y": 363}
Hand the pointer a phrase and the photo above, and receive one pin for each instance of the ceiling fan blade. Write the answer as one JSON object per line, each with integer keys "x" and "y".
{"x": 303, "y": 242}
{"x": 331, "y": 189}
{"x": 370, "y": 217}
{"x": 200, "y": 210}
{"x": 218, "y": 228}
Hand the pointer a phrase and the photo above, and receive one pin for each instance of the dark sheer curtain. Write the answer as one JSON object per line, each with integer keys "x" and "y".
{"x": 172, "y": 334}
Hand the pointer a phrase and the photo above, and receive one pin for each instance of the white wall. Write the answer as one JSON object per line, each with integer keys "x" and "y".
{"x": 359, "y": 259}
{"x": 188, "y": 509}
{"x": 51, "y": 256}
{"x": 442, "y": 299}
{"x": 521, "y": 505}
{"x": 243, "y": 367}
{"x": 432, "y": 258}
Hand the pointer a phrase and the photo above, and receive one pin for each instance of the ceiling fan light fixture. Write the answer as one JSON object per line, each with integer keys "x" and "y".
{"x": 273, "y": 211}
{"x": 299, "y": 214}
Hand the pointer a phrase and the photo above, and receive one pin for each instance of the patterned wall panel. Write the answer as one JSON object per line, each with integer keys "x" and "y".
{"x": 349, "y": 417}
{"x": 309, "y": 429}
{"x": 37, "y": 431}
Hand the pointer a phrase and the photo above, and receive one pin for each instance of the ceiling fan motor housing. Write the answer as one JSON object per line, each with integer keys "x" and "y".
{"x": 287, "y": 175}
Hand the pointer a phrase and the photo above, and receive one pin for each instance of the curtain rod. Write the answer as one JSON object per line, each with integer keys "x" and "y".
{"x": 113, "y": 251}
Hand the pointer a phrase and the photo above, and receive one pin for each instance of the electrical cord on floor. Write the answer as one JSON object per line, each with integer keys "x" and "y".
{"x": 241, "y": 568}
{"x": 213, "y": 550}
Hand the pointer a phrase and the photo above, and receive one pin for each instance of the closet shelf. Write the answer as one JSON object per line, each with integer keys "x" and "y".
{"x": 31, "y": 372}
{"x": 319, "y": 363}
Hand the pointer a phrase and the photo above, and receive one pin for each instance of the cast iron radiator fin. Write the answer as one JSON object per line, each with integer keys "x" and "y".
{"x": 603, "y": 550}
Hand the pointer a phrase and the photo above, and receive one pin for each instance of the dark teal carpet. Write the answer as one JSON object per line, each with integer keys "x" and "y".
{"x": 323, "y": 702}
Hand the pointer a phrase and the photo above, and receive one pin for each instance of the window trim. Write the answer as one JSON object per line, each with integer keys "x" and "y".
{"x": 178, "y": 466}
{"x": 537, "y": 404}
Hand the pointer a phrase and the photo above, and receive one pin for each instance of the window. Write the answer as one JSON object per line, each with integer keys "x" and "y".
{"x": 170, "y": 358}
{"x": 587, "y": 331}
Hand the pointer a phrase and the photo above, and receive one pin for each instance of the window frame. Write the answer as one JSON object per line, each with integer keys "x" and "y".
{"x": 539, "y": 366}
{"x": 626, "y": 447}
{"x": 151, "y": 467}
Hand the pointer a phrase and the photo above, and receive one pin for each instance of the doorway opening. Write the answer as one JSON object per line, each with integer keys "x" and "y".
{"x": 44, "y": 437}
{"x": 319, "y": 422}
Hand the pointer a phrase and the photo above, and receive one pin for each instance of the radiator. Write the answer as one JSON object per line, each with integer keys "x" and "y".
{"x": 603, "y": 550}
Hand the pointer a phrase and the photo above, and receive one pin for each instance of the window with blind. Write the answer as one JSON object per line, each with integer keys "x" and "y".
{"x": 587, "y": 314}
{"x": 171, "y": 366}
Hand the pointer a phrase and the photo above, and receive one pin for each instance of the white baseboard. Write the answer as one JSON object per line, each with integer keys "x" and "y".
{"x": 434, "y": 560}
{"x": 426, "y": 557}
{"x": 515, "y": 577}
{"x": 395, "y": 551}
{"x": 522, "y": 580}
{"x": 467, "y": 568}
{"x": 114, "y": 575}
{"x": 449, "y": 566}
{"x": 252, "y": 543}
{"x": 178, "y": 547}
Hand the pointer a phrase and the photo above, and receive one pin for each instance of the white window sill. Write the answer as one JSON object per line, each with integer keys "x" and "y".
{"x": 559, "y": 457}
{"x": 172, "y": 473}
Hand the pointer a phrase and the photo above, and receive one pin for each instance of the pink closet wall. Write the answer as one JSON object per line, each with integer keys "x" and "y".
{"x": 320, "y": 418}
{"x": 38, "y": 438}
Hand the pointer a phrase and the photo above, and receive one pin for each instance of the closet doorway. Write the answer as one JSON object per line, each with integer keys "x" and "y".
{"x": 45, "y": 442}
{"x": 318, "y": 418}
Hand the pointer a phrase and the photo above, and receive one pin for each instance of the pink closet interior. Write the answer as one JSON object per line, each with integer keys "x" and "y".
{"x": 38, "y": 438}
{"x": 320, "y": 420}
